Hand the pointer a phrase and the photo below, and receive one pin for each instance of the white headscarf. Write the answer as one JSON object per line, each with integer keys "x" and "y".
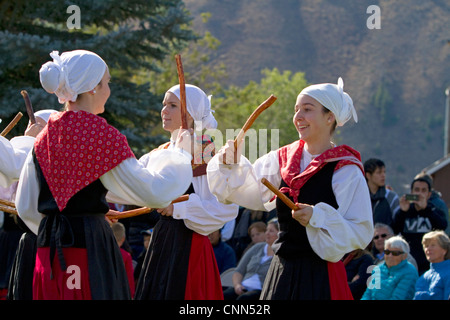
{"x": 72, "y": 73}
{"x": 198, "y": 104}
{"x": 333, "y": 98}
{"x": 44, "y": 114}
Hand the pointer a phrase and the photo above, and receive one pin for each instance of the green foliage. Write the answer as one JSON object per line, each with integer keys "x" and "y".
{"x": 131, "y": 36}
{"x": 237, "y": 104}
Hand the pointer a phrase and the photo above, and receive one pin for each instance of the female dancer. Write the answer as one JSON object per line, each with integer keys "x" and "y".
{"x": 327, "y": 184}
{"x": 61, "y": 195}
{"x": 180, "y": 262}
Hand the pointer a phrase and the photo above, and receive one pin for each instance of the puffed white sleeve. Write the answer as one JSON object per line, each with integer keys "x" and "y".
{"x": 165, "y": 176}
{"x": 333, "y": 233}
{"x": 203, "y": 213}
{"x": 241, "y": 183}
{"x": 12, "y": 157}
{"x": 27, "y": 195}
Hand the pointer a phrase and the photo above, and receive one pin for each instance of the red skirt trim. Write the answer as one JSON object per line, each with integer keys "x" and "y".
{"x": 72, "y": 284}
{"x": 339, "y": 289}
{"x": 203, "y": 278}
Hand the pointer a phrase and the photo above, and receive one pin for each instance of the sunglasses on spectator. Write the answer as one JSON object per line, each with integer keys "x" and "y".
{"x": 394, "y": 253}
{"x": 384, "y": 235}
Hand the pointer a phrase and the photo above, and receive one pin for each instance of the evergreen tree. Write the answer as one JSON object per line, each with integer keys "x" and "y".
{"x": 238, "y": 104}
{"x": 211, "y": 78}
{"x": 131, "y": 36}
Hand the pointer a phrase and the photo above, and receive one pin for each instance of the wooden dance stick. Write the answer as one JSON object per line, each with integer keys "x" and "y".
{"x": 263, "y": 106}
{"x": 12, "y": 124}
{"x": 112, "y": 214}
{"x": 280, "y": 195}
{"x": 182, "y": 92}
{"x": 28, "y": 105}
{"x": 7, "y": 203}
{"x": 255, "y": 114}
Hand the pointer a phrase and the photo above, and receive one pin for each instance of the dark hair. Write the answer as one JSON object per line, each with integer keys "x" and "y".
{"x": 423, "y": 180}
{"x": 372, "y": 164}
{"x": 425, "y": 176}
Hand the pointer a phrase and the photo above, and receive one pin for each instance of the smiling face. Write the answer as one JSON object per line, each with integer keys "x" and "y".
{"x": 310, "y": 120}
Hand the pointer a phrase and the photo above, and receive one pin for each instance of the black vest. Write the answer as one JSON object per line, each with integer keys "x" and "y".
{"x": 292, "y": 241}
{"x": 90, "y": 200}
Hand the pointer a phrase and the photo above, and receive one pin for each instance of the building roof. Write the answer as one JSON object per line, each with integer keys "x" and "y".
{"x": 437, "y": 165}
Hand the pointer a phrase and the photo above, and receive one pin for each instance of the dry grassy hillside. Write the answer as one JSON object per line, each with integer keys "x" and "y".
{"x": 406, "y": 62}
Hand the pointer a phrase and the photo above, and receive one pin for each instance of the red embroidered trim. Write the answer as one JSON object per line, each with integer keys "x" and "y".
{"x": 290, "y": 156}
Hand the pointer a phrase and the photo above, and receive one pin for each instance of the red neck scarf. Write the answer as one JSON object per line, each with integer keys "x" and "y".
{"x": 75, "y": 149}
{"x": 290, "y": 156}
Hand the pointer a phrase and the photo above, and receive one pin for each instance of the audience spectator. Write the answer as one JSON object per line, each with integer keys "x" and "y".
{"x": 251, "y": 271}
{"x": 395, "y": 278}
{"x": 146, "y": 237}
{"x": 415, "y": 218}
{"x": 120, "y": 235}
{"x": 434, "y": 284}
{"x": 224, "y": 253}
{"x": 436, "y": 199}
{"x": 385, "y": 202}
{"x": 240, "y": 238}
{"x": 357, "y": 265}
{"x": 381, "y": 234}
{"x": 257, "y": 233}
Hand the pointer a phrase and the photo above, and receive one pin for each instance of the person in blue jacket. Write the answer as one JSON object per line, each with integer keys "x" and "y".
{"x": 395, "y": 278}
{"x": 435, "y": 283}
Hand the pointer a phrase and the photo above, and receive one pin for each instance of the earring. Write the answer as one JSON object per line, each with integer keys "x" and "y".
{"x": 93, "y": 91}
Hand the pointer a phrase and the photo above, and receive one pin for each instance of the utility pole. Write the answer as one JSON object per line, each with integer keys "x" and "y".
{"x": 447, "y": 124}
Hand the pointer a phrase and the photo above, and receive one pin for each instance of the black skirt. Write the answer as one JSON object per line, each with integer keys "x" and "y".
{"x": 164, "y": 270}
{"x": 304, "y": 278}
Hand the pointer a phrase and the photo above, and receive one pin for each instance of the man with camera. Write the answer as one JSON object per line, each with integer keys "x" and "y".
{"x": 416, "y": 217}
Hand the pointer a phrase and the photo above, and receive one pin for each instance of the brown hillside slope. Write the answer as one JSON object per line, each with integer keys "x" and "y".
{"x": 408, "y": 59}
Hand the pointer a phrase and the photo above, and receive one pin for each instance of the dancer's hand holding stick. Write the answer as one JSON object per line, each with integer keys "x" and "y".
{"x": 300, "y": 211}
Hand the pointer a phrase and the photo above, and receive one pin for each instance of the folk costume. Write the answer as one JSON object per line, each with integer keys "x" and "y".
{"x": 17, "y": 242}
{"x": 180, "y": 262}
{"x": 307, "y": 262}
{"x": 12, "y": 157}
{"x": 77, "y": 158}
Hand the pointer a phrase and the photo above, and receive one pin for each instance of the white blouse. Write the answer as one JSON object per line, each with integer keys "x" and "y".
{"x": 331, "y": 232}
{"x": 154, "y": 185}
{"x": 202, "y": 213}
{"x": 12, "y": 157}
